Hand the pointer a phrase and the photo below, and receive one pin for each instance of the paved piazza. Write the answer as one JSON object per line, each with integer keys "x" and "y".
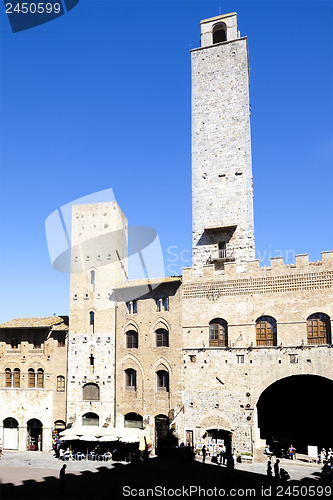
{"x": 26, "y": 475}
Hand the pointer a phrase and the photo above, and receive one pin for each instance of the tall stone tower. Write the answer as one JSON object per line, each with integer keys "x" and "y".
{"x": 99, "y": 254}
{"x": 222, "y": 189}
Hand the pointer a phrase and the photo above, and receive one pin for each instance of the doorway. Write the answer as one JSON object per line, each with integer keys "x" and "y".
{"x": 161, "y": 434}
{"x": 10, "y": 434}
{"x": 34, "y": 435}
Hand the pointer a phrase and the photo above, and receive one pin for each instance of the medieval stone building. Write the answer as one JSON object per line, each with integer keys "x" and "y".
{"x": 229, "y": 351}
{"x": 33, "y": 367}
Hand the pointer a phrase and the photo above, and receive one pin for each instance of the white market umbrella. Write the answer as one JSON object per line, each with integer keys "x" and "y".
{"x": 69, "y": 437}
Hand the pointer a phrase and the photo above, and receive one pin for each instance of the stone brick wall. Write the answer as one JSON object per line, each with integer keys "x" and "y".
{"x": 147, "y": 400}
{"x": 217, "y": 380}
{"x": 99, "y": 245}
{"x": 24, "y": 403}
{"x": 221, "y": 151}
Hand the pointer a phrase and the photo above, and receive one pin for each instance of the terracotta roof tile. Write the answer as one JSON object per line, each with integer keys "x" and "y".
{"x": 33, "y": 322}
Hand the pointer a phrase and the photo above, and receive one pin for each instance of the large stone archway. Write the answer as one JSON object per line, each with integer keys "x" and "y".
{"x": 297, "y": 410}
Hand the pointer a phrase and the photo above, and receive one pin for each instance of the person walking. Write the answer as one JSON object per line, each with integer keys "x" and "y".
{"x": 62, "y": 475}
{"x": 223, "y": 453}
{"x": 277, "y": 469}
{"x": 269, "y": 470}
{"x": 291, "y": 452}
{"x": 204, "y": 453}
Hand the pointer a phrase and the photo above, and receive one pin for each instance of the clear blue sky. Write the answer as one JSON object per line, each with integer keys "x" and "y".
{"x": 100, "y": 98}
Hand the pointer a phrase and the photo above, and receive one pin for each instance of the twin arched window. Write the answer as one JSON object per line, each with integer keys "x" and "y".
{"x": 218, "y": 333}
{"x": 12, "y": 378}
{"x": 162, "y": 338}
{"x": 162, "y": 380}
{"x": 318, "y": 330}
{"x": 36, "y": 379}
{"x": 162, "y": 304}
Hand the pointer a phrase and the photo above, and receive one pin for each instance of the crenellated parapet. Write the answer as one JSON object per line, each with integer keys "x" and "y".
{"x": 276, "y": 278}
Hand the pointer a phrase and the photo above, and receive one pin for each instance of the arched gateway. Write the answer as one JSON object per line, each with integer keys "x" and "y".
{"x": 297, "y": 410}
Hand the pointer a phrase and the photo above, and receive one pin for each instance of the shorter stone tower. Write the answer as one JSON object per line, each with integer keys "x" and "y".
{"x": 222, "y": 209}
{"x": 99, "y": 254}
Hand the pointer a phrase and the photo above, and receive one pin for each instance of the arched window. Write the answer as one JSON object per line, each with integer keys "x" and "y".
{"x": 10, "y": 423}
{"x": 16, "y": 377}
{"x": 133, "y": 420}
{"x": 220, "y": 33}
{"x": 131, "y": 339}
{"x": 162, "y": 380}
{"x": 31, "y": 377}
{"x": 92, "y": 280}
{"x": 218, "y": 333}
{"x": 60, "y": 383}
{"x": 266, "y": 331}
{"x": 90, "y": 419}
{"x": 90, "y": 392}
{"x": 319, "y": 329}
{"x": 40, "y": 378}
{"x": 130, "y": 379}
{"x": 162, "y": 337}
{"x": 34, "y": 423}
{"x": 59, "y": 425}
{"x": 8, "y": 377}
{"x": 92, "y": 320}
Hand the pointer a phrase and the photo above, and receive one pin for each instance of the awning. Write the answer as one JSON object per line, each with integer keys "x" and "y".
{"x": 94, "y": 433}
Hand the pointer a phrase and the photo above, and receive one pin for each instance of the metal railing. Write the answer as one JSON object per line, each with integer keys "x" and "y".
{"x": 223, "y": 254}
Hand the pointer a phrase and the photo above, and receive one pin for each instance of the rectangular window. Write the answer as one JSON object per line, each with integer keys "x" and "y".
{"x": 37, "y": 344}
{"x": 61, "y": 339}
{"x": 61, "y": 384}
{"x": 132, "y": 306}
{"x": 293, "y": 358}
{"x": 165, "y": 304}
{"x": 14, "y": 342}
{"x": 163, "y": 381}
{"x": 130, "y": 380}
{"x": 240, "y": 358}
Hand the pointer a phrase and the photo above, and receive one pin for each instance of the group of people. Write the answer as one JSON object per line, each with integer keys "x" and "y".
{"x": 279, "y": 473}
{"x": 186, "y": 453}
{"x": 325, "y": 456}
{"x": 222, "y": 457}
{"x": 291, "y": 451}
